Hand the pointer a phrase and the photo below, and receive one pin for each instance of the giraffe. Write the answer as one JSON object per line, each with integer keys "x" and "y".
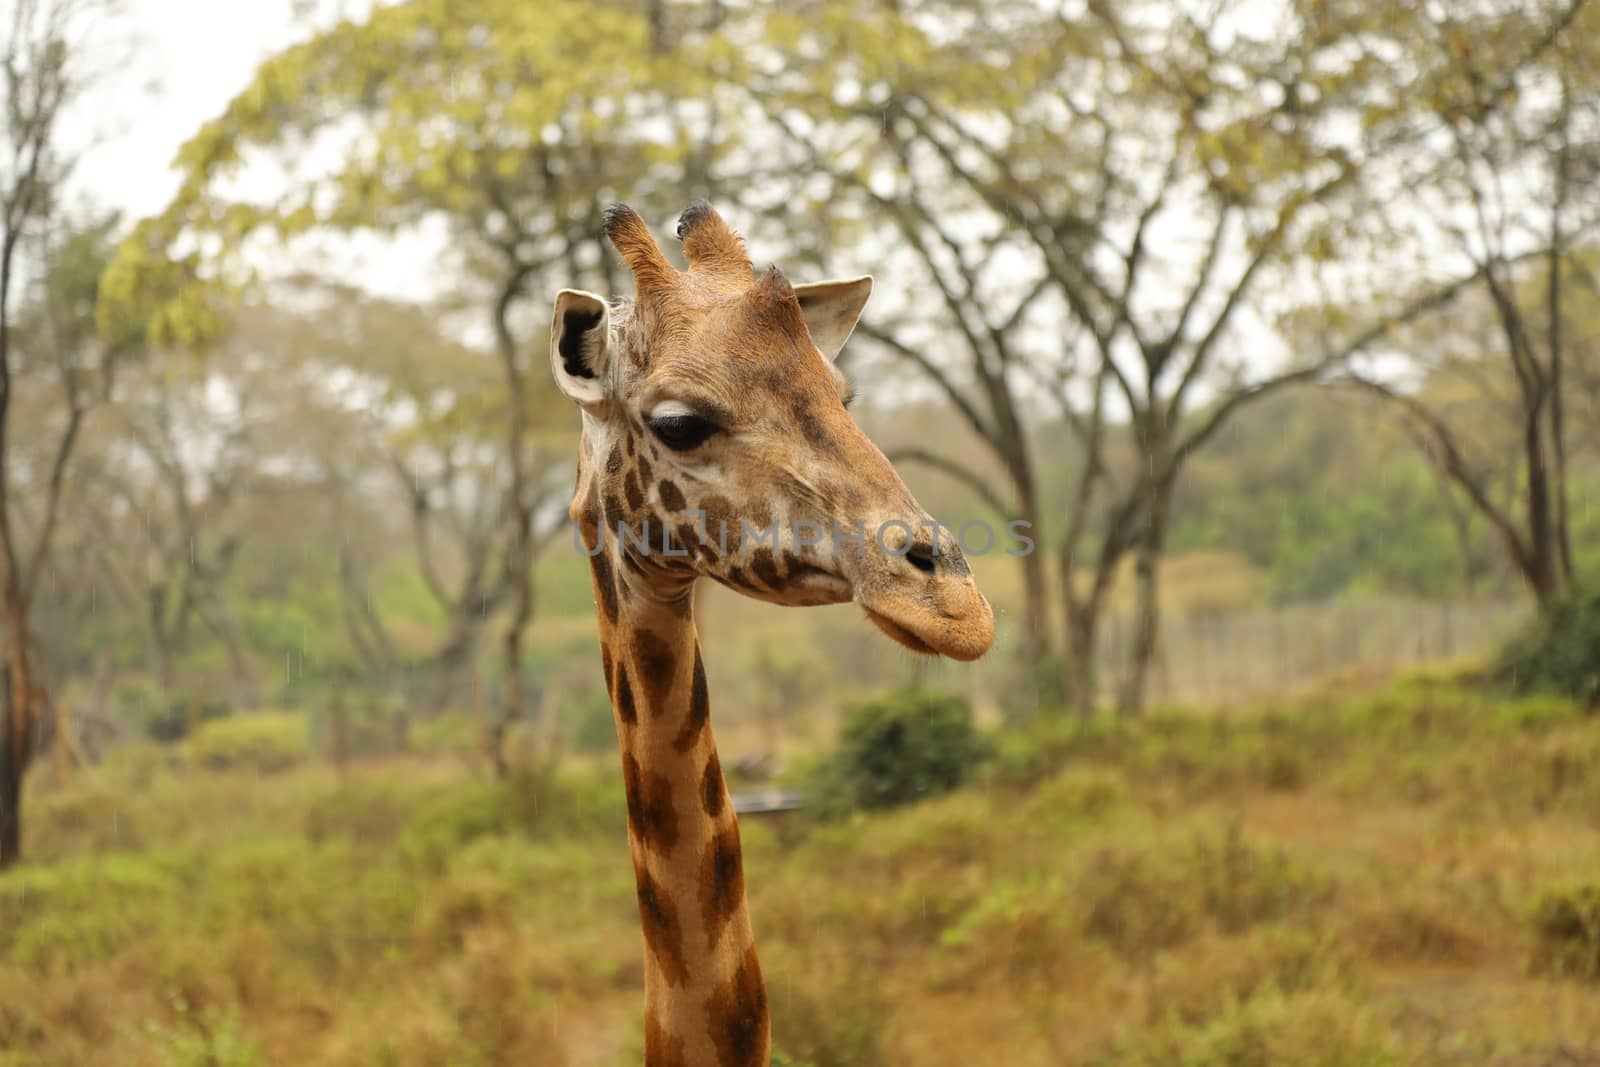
{"x": 716, "y": 444}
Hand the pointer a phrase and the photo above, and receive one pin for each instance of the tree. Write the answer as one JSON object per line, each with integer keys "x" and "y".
{"x": 966, "y": 299}
{"x": 1508, "y": 117}
{"x": 1147, "y": 168}
{"x": 427, "y": 407}
{"x": 48, "y": 289}
{"x": 512, "y": 124}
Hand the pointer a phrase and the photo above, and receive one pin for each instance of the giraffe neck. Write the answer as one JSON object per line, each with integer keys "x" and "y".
{"x": 705, "y": 1002}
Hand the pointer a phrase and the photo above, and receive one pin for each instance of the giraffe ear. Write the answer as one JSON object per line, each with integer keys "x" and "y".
{"x": 831, "y": 310}
{"x": 580, "y": 348}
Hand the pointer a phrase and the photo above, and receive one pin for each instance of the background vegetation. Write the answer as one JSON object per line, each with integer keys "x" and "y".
{"x": 1278, "y": 322}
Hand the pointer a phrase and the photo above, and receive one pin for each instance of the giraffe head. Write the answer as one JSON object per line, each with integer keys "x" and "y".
{"x": 717, "y": 444}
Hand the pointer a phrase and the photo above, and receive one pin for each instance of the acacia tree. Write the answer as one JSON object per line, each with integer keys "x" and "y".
{"x": 1509, "y": 124}
{"x": 48, "y": 275}
{"x": 1093, "y": 201}
{"x": 54, "y": 371}
{"x": 1173, "y": 174}
{"x": 427, "y": 407}
{"x": 964, "y": 298}
{"x": 512, "y": 124}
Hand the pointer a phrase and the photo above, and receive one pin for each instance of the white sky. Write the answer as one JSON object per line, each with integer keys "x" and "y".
{"x": 194, "y": 56}
{"x": 162, "y": 69}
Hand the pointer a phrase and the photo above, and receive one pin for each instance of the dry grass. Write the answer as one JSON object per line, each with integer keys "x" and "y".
{"x": 1402, "y": 877}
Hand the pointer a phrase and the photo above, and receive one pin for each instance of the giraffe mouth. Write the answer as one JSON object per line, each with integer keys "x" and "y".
{"x": 954, "y": 620}
{"x": 899, "y": 633}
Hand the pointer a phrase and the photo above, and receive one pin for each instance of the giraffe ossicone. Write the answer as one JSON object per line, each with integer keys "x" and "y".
{"x": 711, "y": 404}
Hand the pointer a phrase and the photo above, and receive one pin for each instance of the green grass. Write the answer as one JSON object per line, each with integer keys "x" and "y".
{"x": 1396, "y": 877}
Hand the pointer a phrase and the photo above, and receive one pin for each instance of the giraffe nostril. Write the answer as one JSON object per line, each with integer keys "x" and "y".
{"x": 921, "y": 557}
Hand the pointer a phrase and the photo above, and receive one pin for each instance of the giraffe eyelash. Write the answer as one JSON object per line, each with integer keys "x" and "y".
{"x": 852, "y": 393}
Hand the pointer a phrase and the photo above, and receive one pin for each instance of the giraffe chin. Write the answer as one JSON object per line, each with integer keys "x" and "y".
{"x": 899, "y": 634}
{"x": 936, "y": 636}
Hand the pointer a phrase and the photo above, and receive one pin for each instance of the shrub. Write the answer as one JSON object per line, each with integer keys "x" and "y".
{"x": 263, "y": 743}
{"x": 1310, "y": 1029}
{"x": 458, "y": 906}
{"x": 1146, "y": 897}
{"x": 902, "y": 747}
{"x": 1559, "y": 652}
{"x": 1028, "y": 754}
{"x": 167, "y": 718}
{"x": 586, "y": 720}
{"x": 219, "y": 1041}
{"x": 449, "y": 734}
{"x": 826, "y": 1013}
{"x": 1566, "y": 931}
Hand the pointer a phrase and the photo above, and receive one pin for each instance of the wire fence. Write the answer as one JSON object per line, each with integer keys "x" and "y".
{"x": 1229, "y": 658}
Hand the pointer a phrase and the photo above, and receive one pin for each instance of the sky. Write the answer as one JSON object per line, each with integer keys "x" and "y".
{"x": 162, "y": 69}
{"x": 168, "y": 67}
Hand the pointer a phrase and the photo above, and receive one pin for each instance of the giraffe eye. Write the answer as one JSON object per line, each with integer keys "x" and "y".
{"x": 682, "y": 432}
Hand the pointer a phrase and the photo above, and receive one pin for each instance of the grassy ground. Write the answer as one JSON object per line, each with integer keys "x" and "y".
{"x": 1401, "y": 877}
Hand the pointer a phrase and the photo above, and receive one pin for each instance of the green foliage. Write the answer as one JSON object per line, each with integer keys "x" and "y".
{"x": 1559, "y": 652}
{"x": 587, "y": 720}
{"x": 529, "y": 803}
{"x": 263, "y": 742}
{"x": 448, "y": 733}
{"x": 1565, "y": 924}
{"x": 1144, "y": 895}
{"x": 1326, "y": 498}
{"x": 823, "y": 1014}
{"x": 905, "y": 746}
{"x": 212, "y": 1039}
{"x": 1140, "y": 900}
{"x": 1316, "y": 1029}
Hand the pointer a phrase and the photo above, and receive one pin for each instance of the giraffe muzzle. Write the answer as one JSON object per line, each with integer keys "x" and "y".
{"x": 923, "y": 596}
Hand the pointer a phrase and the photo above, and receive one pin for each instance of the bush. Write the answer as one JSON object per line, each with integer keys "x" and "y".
{"x": 906, "y": 745}
{"x": 219, "y": 1041}
{"x": 450, "y": 734}
{"x": 826, "y": 1013}
{"x": 1559, "y": 652}
{"x": 586, "y": 720}
{"x": 1309, "y": 1029}
{"x": 163, "y": 717}
{"x": 1566, "y": 931}
{"x": 263, "y": 743}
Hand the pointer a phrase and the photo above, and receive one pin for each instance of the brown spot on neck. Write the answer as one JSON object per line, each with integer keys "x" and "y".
{"x": 626, "y": 710}
{"x": 651, "y": 815}
{"x": 605, "y": 584}
{"x": 663, "y": 931}
{"x": 721, "y": 883}
{"x": 694, "y": 723}
{"x": 713, "y": 793}
{"x": 656, "y": 665}
{"x": 661, "y": 1048}
{"x": 741, "y": 1031}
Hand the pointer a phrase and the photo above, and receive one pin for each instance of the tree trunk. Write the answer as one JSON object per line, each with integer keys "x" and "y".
{"x": 511, "y": 707}
{"x": 1544, "y": 571}
{"x": 1036, "y": 644}
{"x": 16, "y": 743}
{"x": 1147, "y": 618}
{"x": 1036, "y": 606}
{"x": 1082, "y": 631}
{"x": 519, "y": 511}
{"x": 10, "y": 803}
